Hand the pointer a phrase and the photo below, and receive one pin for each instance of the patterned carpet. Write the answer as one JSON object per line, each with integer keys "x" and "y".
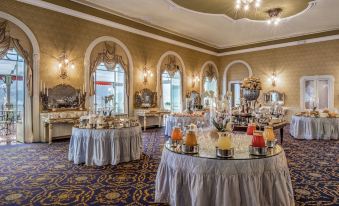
{"x": 40, "y": 174}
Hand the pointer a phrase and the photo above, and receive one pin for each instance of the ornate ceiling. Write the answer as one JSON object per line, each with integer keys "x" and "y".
{"x": 227, "y": 7}
{"x": 218, "y": 28}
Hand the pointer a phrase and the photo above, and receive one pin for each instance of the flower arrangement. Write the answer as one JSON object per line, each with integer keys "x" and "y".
{"x": 222, "y": 121}
{"x": 251, "y": 83}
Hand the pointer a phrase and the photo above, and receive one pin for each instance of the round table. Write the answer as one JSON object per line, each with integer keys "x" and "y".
{"x": 314, "y": 128}
{"x": 105, "y": 146}
{"x": 204, "y": 179}
{"x": 172, "y": 121}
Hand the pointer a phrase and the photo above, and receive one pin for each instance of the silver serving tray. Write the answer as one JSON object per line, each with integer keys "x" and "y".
{"x": 224, "y": 153}
{"x": 190, "y": 149}
{"x": 259, "y": 151}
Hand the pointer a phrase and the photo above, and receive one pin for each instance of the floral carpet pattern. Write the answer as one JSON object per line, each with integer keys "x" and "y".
{"x": 40, "y": 174}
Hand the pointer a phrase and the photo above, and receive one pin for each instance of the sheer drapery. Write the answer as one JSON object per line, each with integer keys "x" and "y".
{"x": 110, "y": 59}
{"x": 6, "y": 43}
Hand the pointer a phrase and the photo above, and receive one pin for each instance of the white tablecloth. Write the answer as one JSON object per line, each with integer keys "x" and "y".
{"x": 186, "y": 180}
{"x": 314, "y": 128}
{"x": 172, "y": 121}
{"x": 105, "y": 146}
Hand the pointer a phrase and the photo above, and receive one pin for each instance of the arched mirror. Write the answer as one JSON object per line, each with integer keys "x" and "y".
{"x": 272, "y": 97}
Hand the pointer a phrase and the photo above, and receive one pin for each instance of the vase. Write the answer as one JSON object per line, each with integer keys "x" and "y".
{"x": 251, "y": 94}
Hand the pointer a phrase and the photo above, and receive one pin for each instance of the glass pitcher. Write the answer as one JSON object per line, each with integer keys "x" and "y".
{"x": 258, "y": 139}
{"x": 251, "y": 128}
{"x": 269, "y": 133}
{"x": 191, "y": 135}
{"x": 176, "y": 134}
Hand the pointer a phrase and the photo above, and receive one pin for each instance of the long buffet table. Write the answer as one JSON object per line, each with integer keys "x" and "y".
{"x": 314, "y": 128}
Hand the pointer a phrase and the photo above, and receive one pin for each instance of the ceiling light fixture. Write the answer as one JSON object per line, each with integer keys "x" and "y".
{"x": 247, "y": 4}
{"x": 274, "y": 16}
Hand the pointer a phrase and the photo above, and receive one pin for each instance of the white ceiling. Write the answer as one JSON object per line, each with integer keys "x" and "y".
{"x": 218, "y": 30}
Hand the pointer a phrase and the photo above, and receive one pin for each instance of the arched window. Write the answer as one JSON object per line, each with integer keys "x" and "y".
{"x": 171, "y": 84}
{"x": 12, "y": 93}
{"x": 210, "y": 83}
{"x": 109, "y": 78}
{"x": 110, "y": 89}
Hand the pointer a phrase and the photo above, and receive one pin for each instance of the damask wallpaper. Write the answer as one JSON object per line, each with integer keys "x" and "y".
{"x": 57, "y": 33}
{"x": 290, "y": 64}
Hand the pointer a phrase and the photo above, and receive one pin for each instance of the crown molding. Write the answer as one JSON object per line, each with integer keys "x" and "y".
{"x": 303, "y": 39}
{"x": 281, "y": 45}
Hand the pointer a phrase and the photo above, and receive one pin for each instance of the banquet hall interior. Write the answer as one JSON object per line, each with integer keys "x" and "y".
{"x": 169, "y": 102}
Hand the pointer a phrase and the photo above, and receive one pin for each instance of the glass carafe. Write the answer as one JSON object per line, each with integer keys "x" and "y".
{"x": 258, "y": 139}
{"x": 224, "y": 141}
{"x": 251, "y": 128}
{"x": 269, "y": 133}
{"x": 176, "y": 134}
{"x": 191, "y": 136}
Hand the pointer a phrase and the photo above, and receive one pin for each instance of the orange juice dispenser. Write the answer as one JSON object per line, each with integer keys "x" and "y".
{"x": 191, "y": 142}
{"x": 176, "y": 136}
{"x": 269, "y": 136}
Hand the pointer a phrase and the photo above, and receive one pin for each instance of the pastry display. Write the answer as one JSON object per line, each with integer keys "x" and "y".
{"x": 101, "y": 122}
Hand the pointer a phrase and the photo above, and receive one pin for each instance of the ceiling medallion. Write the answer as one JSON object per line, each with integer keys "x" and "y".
{"x": 256, "y": 10}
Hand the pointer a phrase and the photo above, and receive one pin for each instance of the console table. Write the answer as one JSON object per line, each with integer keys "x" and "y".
{"x": 151, "y": 118}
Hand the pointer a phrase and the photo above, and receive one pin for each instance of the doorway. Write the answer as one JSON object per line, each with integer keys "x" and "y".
{"x": 12, "y": 98}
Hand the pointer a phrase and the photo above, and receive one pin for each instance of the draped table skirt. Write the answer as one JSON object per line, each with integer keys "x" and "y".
{"x": 172, "y": 121}
{"x": 314, "y": 128}
{"x": 186, "y": 180}
{"x": 105, "y": 146}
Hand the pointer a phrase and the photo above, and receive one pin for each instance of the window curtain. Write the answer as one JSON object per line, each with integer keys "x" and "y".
{"x": 109, "y": 57}
{"x": 7, "y": 43}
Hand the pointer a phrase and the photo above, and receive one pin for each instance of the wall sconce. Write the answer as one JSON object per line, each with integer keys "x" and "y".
{"x": 273, "y": 79}
{"x": 195, "y": 80}
{"x": 147, "y": 74}
{"x": 64, "y": 65}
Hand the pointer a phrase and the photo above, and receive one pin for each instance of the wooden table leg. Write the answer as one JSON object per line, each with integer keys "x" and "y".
{"x": 50, "y": 127}
{"x": 281, "y": 135}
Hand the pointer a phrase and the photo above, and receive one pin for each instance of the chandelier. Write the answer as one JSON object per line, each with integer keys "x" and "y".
{"x": 274, "y": 16}
{"x": 247, "y": 4}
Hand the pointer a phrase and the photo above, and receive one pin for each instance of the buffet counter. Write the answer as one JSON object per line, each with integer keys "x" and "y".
{"x": 303, "y": 127}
